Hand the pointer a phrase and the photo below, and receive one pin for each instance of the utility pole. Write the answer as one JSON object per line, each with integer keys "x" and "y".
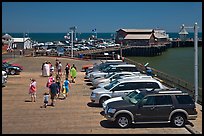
{"x": 195, "y": 58}
{"x": 121, "y": 44}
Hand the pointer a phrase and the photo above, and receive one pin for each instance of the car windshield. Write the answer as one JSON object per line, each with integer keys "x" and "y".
{"x": 130, "y": 95}
{"x": 109, "y": 75}
{"x": 6, "y": 64}
{"x": 112, "y": 84}
{"x": 134, "y": 98}
{"x": 106, "y": 69}
{"x": 103, "y": 66}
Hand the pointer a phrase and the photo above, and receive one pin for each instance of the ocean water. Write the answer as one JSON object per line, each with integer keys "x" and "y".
{"x": 45, "y": 37}
{"x": 177, "y": 62}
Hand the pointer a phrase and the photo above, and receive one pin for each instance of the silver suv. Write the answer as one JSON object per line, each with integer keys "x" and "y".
{"x": 123, "y": 87}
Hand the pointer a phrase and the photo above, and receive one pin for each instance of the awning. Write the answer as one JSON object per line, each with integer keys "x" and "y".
{"x": 137, "y": 37}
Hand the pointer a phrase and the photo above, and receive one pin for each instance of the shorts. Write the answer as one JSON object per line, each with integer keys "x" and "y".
{"x": 59, "y": 70}
{"x": 33, "y": 94}
{"x": 67, "y": 90}
{"x": 53, "y": 96}
{"x": 46, "y": 102}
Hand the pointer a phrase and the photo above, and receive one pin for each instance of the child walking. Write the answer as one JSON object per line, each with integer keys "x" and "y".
{"x": 46, "y": 97}
{"x": 65, "y": 87}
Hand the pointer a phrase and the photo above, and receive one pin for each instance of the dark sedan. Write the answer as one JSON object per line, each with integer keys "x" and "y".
{"x": 11, "y": 69}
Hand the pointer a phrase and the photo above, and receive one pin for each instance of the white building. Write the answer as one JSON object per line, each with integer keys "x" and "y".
{"x": 22, "y": 43}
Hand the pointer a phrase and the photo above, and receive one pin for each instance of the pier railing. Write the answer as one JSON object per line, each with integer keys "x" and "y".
{"x": 170, "y": 81}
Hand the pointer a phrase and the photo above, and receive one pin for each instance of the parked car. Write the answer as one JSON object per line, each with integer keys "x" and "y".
{"x": 175, "y": 107}
{"x": 114, "y": 68}
{"x": 110, "y": 77}
{"x": 13, "y": 64}
{"x": 125, "y": 77}
{"x": 102, "y": 66}
{"x": 86, "y": 67}
{"x": 122, "y": 87}
{"x": 4, "y": 77}
{"x": 11, "y": 69}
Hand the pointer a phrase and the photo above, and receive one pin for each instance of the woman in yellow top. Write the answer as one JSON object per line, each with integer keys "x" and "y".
{"x": 73, "y": 73}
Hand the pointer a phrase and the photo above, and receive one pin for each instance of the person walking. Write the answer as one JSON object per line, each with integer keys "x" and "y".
{"x": 67, "y": 68}
{"x": 32, "y": 90}
{"x": 58, "y": 82}
{"x": 56, "y": 65}
{"x": 45, "y": 99}
{"x": 149, "y": 71}
{"x": 46, "y": 69}
{"x": 73, "y": 73}
{"x": 42, "y": 68}
{"x": 59, "y": 69}
{"x": 52, "y": 68}
{"x": 49, "y": 81}
{"x": 53, "y": 92}
{"x": 65, "y": 87}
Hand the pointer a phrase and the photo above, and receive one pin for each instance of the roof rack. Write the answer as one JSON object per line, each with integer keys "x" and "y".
{"x": 163, "y": 92}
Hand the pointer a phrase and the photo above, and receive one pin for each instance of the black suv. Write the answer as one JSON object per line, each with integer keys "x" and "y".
{"x": 162, "y": 106}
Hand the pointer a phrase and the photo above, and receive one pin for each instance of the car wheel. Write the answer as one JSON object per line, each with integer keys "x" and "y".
{"x": 123, "y": 121}
{"x": 102, "y": 100}
{"x": 13, "y": 72}
{"x": 178, "y": 120}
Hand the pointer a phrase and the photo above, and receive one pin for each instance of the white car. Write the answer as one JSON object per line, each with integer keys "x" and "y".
{"x": 122, "y": 87}
{"x": 112, "y": 69}
{"x": 125, "y": 77}
{"x": 110, "y": 77}
{"x": 4, "y": 77}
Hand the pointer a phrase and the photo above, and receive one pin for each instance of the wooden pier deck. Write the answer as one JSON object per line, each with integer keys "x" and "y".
{"x": 127, "y": 51}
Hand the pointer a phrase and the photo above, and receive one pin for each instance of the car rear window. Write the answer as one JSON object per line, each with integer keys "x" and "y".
{"x": 184, "y": 99}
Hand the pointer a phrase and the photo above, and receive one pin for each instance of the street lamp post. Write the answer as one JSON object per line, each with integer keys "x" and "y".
{"x": 73, "y": 29}
{"x": 195, "y": 59}
{"x": 72, "y": 44}
{"x": 121, "y": 43}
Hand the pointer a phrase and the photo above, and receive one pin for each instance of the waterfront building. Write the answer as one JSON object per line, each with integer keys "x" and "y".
{"x": 6, "y": 39}
{"x": 160, "y": 36}
{"x": 141, "y": 37}
{"x": 22, "y": 43}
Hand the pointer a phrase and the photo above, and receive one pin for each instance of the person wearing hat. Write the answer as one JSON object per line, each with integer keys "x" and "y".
{"x": 32, "y": 90}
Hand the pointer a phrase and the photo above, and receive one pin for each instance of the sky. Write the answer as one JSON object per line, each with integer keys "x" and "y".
{"x": 48, "y": 17}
